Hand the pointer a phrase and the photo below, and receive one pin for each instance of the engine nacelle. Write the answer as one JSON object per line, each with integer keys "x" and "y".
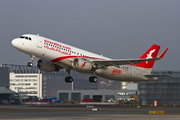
{"x": 82, "y": 65}
{"x": 46, "y": 66}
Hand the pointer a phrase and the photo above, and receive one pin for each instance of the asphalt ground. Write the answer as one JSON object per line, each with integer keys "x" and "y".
{"x": 75, "y": 112}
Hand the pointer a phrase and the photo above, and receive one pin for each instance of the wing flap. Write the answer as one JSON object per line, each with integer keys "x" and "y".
{"x": 151, "y": 75}
{"x": 122, "y": 61}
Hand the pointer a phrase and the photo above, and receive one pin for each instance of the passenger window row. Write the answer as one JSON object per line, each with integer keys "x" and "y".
{"x": 67, "y": 50}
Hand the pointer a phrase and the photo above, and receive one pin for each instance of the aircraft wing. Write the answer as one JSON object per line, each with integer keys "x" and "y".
{"x": 122, "y": 61}
{"x": 117, "y": 62}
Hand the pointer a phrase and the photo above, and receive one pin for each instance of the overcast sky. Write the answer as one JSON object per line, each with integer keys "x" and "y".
{"x": 119, "y": 29}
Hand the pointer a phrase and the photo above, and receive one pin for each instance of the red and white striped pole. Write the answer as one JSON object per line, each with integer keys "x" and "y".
{"x": 155, "y": 103}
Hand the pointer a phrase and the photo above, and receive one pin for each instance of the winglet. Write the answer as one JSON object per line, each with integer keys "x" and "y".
{"x": 163, "y": 53}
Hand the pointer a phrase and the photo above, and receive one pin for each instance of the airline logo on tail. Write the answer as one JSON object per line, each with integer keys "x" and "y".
{"x": 150, "y": 55}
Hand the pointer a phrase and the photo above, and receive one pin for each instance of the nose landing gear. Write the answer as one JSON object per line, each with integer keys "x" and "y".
{"x": 30, "y": 64}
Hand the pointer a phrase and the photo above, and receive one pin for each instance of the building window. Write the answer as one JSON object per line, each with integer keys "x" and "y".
{"x": 121, "y": 93}
{"x": 21, "y": 76}
{"x": 18, "y": 87}
{"x": 31, "y": 88}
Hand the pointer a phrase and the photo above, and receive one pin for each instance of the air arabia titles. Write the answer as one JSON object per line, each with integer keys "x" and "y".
{"x": 57, "y": 47}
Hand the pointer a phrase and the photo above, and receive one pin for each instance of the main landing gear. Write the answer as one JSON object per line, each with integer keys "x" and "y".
{"x": 93, "y": 79}
{"x": 30, "y": 64}
{"x": 68, "y": 79}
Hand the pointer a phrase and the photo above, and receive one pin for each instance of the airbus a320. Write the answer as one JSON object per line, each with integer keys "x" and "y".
{"x": 55, "y": 55}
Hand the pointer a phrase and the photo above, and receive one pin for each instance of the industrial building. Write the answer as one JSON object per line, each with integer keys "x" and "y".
{"x": 166, "y": 90}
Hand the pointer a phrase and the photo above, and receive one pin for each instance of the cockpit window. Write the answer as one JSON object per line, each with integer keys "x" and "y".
{"x": 25, "y": 37}
{"x": 22, "y": 37}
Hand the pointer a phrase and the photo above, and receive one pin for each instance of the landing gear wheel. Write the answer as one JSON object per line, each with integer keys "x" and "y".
{"x": 30, "y": 64}
{"x": 90, "y": 79}
{"x": 69, "y": 79}
{"x": 66, "y": 79}
{"x": 93, "y": 79}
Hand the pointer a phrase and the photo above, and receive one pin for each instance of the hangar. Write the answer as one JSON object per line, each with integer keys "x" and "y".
{"x": 97, "y": 95}
{"x": 8, "y": 96}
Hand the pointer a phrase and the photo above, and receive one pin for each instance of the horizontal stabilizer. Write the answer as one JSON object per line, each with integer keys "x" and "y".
{"x": 151, "y": 75}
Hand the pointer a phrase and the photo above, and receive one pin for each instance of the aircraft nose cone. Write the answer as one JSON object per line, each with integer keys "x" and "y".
{"x": 14, "y": 43}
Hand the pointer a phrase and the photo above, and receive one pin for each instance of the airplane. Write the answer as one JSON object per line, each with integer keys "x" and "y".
{"x": 55, "y": 55}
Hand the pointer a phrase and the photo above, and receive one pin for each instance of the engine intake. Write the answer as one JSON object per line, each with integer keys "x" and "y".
{"x": 46, "y": 66}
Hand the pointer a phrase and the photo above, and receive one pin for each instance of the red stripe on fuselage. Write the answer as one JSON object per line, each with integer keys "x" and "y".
{"x": 67, "y": 57}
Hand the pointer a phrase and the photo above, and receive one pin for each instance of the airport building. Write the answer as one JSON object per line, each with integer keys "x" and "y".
{"x": 96, "y": 95}
{"x": 50, "y": 82}
{"x": 30, "y": 81}
{"x": 6, "y": 95}
{"x": 26, "y": 84}
{"x": 166, "y": 90}
{"x": 24, "y": 80}
{"x": 4, "y": 77}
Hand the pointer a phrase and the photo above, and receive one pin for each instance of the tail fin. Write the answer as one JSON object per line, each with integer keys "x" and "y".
{"x": 151, "y": 53}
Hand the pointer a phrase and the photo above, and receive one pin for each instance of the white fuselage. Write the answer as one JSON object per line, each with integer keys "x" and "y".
{"x": 62, "y": 55}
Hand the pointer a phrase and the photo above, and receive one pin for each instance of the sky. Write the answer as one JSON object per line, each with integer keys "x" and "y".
{"x": 118, "y": 29}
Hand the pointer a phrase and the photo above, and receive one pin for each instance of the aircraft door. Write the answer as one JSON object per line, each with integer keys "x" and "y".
{"x": 134, "y": 72}
{"x": 39, "y": 42}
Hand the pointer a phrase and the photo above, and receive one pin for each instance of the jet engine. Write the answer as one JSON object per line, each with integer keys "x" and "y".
{"x": 46, "y": 66}
{"x": 81, "y": 65}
